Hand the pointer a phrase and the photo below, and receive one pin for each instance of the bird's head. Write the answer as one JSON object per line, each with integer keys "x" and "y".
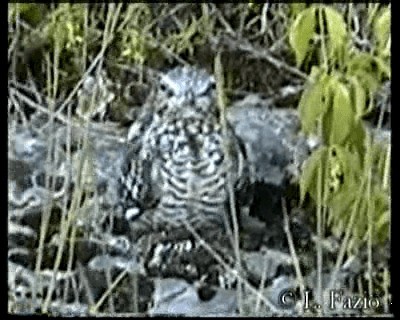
{"x": 186, "y": 92}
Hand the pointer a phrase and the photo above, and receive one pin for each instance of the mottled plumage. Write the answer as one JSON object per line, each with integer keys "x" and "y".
{"x": 178, "y": 165}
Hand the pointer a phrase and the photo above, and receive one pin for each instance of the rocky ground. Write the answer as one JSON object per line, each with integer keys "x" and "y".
{"x": 44, "y": 177}
{"x": 69, "y": 253}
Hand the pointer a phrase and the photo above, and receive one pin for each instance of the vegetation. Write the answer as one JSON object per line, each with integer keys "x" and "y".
{"x": 340, "y": 91}
{"x": 338, "y": 54}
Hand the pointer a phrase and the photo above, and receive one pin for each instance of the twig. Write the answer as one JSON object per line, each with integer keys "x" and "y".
{"x": 33, "y": 87}
{"x": 12, "y": 101}
{"x": 107, "y": 39}
{"x": 386, "y": 173}
{"x": 108, "y": 291}
{"x": 263, "y": 27}
{"x": 264, "y": 18}
{"x": 257, "y": 53}
{"x": 47, "y": 208}
{"x": 318, "y": 243}
{"x": 85, "y": 282}
{"x": 342, "y": 251}
{"x": 262, "y": 283}
{"x": 226, "y": 24}
{"x": 386, "y": 282}
{"x": 169, "y": 52}
{"x": 65, "y": 224}
{"x": 221, "y": 104}
{"x": 292, "y": 249}
{"x": 221, "y": 261}
{"x": 77, "y": 126}
{"x": 12, "y": 46}
{"x": 110, "y": 298}
{"x": 159, "y": 18}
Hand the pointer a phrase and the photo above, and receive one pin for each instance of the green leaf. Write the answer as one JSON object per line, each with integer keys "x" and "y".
{"x": 328, "y": 95}
{"x": 367, "y": 69}
{"x": 340, "y": 206}
{"x": 301, "y": 33}
{"x": 359, "y": 95}
{"x": 343, "y": 180}
{"x": 352, "y": 166}
{"x": 296, "y": 8}
{"x": 33, "y": 13}
{"x": 357, "y": 137}
{"x": 313, "y": 103}
{"x": 382, "y": 226}
{"x": 369, "y": 82}
{"x": 336, "y": 30}
{"x": 309, "y": 176}
{"x": 342, "y": 115}
{"x": 382, "y": 31}
{"x": 383, "y": 67}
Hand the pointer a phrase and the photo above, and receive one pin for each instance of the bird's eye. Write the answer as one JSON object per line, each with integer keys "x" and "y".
{"x": 163, "y": 87}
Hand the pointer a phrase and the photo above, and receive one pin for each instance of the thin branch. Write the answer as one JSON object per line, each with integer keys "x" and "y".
{"x": 101, "y": 128}
{"x": 108, "y": 291}
{"x": 232, "y": 207}
{"x": 292, "y": 249}
{"x": 221, "y": 261}
{"x": 354, "y": 213}
{"x": 225, "y": 23}
{"x": 256, "y": 53}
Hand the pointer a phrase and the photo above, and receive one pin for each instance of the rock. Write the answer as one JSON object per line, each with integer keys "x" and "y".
{"x": 266, "y": 261}
{"x": 177, "y": 297}
{"x": 271, "y": 138}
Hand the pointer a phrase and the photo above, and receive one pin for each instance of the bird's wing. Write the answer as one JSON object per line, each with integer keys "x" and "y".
{"x": 136, "y": 182}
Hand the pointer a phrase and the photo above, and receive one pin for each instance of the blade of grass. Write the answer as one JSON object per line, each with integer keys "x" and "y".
{"x": 232, "y": 207}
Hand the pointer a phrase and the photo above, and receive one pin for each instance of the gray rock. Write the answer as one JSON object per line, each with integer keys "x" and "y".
{"x": 271, "y": 137}
{"x": 106, "y": 262}
{"x": 266, "y": 261}
{"x": 177, "y": 297}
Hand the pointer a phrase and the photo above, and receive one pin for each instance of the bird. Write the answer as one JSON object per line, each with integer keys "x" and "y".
{"x": 180, "y": 158}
